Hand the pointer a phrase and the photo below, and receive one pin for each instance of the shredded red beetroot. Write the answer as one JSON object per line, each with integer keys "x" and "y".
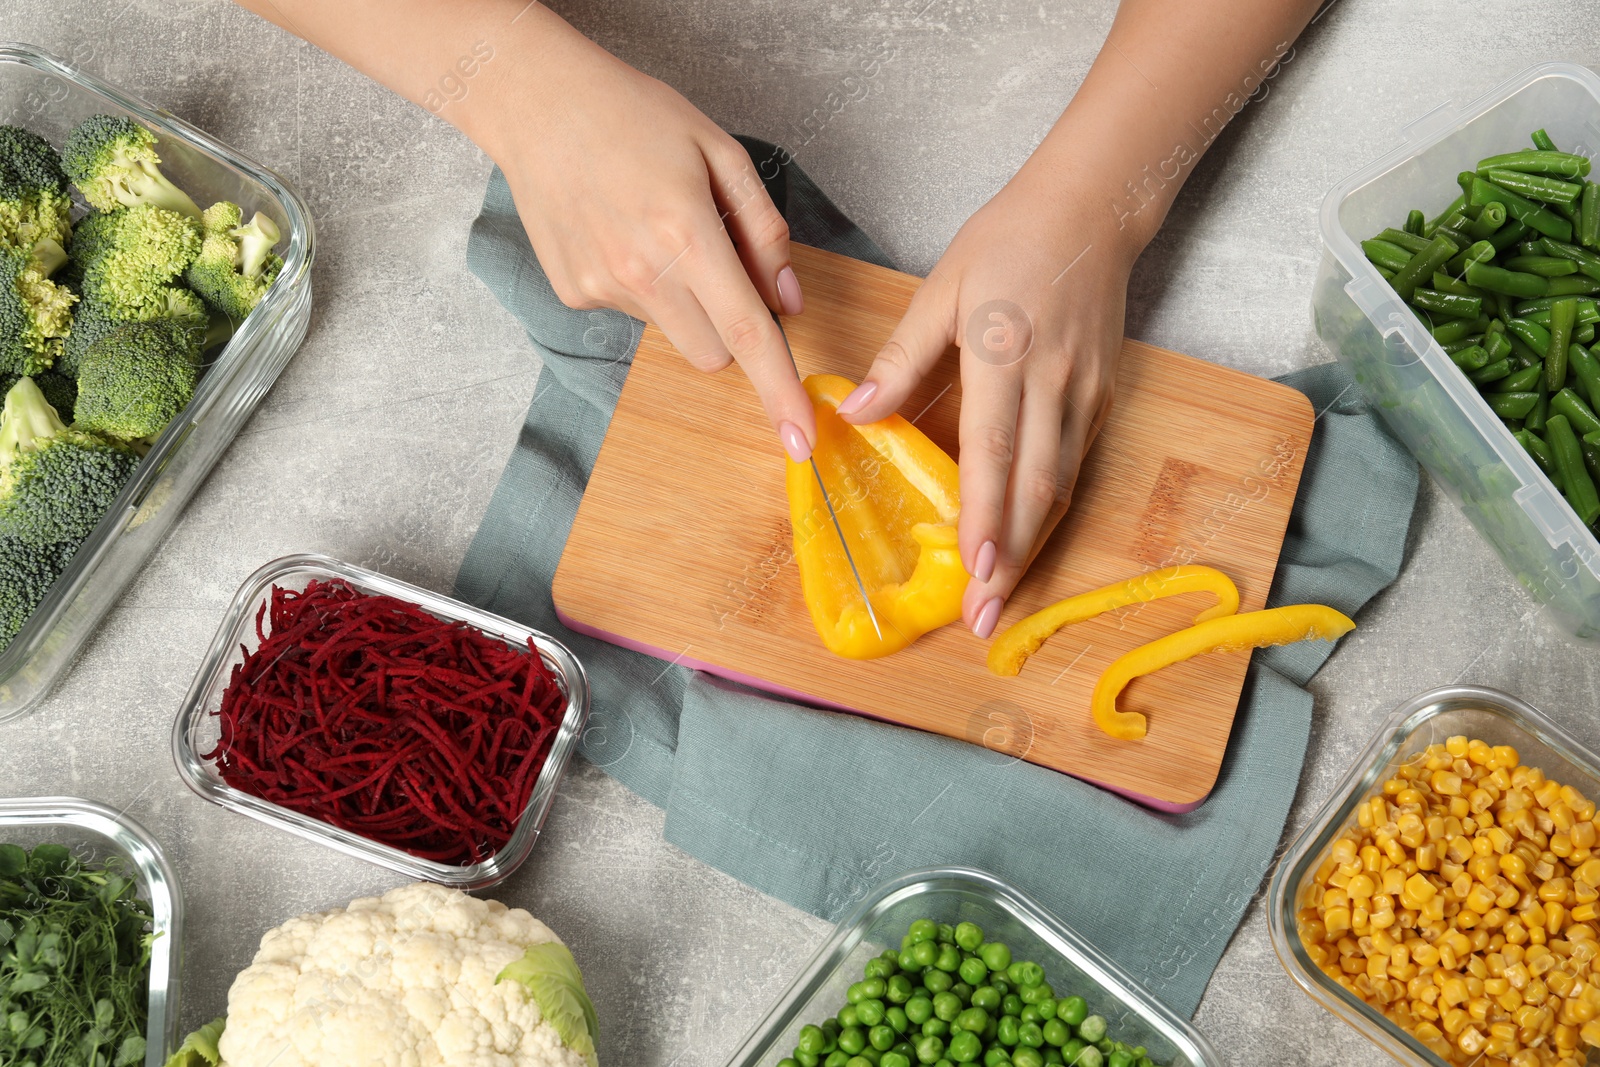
{"x": 374, "y": 716}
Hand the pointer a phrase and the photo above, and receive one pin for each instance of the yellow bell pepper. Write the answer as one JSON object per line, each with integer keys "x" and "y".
{"x": 1012, "y": 648}
{"x": 897, "y": 495}
{"x": 1253, "y": 629}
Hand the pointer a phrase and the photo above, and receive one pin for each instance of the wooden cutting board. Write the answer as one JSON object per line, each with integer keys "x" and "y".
{"x": 682, "y": 546}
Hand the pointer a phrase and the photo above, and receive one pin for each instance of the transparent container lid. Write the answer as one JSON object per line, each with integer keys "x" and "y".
{"x": 196, "y": 729}
{"x": 964, "y": 894}
{"x": 96, "y": 833}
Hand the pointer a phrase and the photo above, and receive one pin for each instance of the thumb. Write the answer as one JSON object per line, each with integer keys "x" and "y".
{"x": 915, "y": 348}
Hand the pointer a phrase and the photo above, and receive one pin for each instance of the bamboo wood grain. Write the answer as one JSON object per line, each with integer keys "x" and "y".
{"x": 682, "y": 544}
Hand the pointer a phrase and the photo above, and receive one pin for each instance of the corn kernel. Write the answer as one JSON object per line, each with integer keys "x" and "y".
{"x": 1503, "y": 757}
{"x": 1583, "y": 835}
{"x": 1457, "y": 745}
{"x": 1446, "y": 783}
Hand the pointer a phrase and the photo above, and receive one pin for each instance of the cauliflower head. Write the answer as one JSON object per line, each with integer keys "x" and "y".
{"x": 408, "y": 979}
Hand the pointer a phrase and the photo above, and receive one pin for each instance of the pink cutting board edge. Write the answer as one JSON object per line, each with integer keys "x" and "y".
{"x": 794, "y": 694}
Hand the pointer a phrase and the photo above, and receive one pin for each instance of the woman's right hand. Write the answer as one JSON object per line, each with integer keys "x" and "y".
{"x": 635, "y": 200}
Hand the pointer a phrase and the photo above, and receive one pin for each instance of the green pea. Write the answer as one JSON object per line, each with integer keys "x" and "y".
{"x": 1035, "y": 992}
{"x": 1093, "y": 1029}
{"x": 929, "y": 1048}
{"x": 831, "y": 1027}
{"x": 919, "y": 1010}
{"x": 896, "y": 1017}
{"x": 878, "y": 967}
{"x": 946, "y": 1006}
{"x": 973, "y": 1019}
{"x": 986, "y": 997}
{"x": 1145, "y": 1061}
{"x": 1089, "y": 1057}
{"x": 897, "y": 990}
{"x": 996, "y": 1056}
{"x": 1046, "y": 1008}
{"x": 1030, "y": 1014}
{"x": 1053, "y": 1055}
{"x": 852, "y": 1039}
{"x": 894, "y": 1059}
{"x": 881, "y": 1037}
{"x": 1069, "y": 1051}
{"x": 996, "y": 956}
{"x": 947, "y": 934}
{"x": 945, "y": 1061}
{"x": 973, "y": 971}
{"x": 938, "y": 981}
{"x": 923, "y": 930}
{"x": 1030, "y": 1034}
{"x": 908, "y": 959}
{"x": 847, "y": 1016}
{"x": 1011, "y": 1005}
{"x": 1106, "y": 1046}
{"x": 949, "y": 959}
{"x": 969, "y": 936}
{"x": 1072, "y": 1011}
{"x": 1027, "y": 1057}
{"x": 965, "y": 1047}
{"x": 837, "y": 1058}
{"x": 871, "y": 1055}
{"x": 788, "y": 1061}
{"x": 870, "y": 1012}
{"x": 807, "y": 1059}
{"x": 923, "y": 953}
{"x": 855, "y": 994}
{"x": 904, "y": 1048}
{"x": 1056, "y": 1032}
{"x": 962, "y": 990}
{"x": 998, "y": 980}
{"x": 1007, "y": 1033}
{"x": 991, "y": 1029}
{"x": 1120, "y": 1058}
{"x": 812, "y": 1040}
{"x": 1140, "y": 1052}
{"x": 874, "y": 987}
{"x": 892, "y": 958}
{"x": 936, "y": 1028}
{"x": 858, "y": 1061}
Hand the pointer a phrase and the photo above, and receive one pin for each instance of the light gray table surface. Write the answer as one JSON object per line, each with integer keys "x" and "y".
{"x": 387, "y": 433}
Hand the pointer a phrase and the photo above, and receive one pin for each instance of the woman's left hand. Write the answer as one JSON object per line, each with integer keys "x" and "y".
{"x": 1032, "y": 289}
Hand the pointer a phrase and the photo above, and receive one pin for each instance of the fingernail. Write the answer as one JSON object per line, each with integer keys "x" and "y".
{"x": 858, "y": 398}
{"x": 984, "y": 624}
{"x": 794, "y": 442}
{"x": 789, "y": 292}
{"x": 983, "y": 566}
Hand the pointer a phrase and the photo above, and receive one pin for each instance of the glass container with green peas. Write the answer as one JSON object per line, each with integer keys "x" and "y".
{"x": 948, "y": 998}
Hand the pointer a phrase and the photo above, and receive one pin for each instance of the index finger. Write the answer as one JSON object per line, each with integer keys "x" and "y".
{"x": 752, "y": 337}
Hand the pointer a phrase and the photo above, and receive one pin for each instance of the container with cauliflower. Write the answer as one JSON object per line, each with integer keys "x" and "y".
{"x": 421, "y": 976}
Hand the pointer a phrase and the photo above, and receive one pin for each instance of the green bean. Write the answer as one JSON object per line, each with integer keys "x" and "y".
{"x": 1583, "y": 333}
{"x": 1563, "y": 313}
{"x": 1447, "y": 283}
{"x": 1572, "y": 285}
{"x": 1591, "y": 454}
{"x": 1508, "y": 235}
{"x": 1586, "y": 262}
{"x": 1455, "y": 205}
{"x": 1512, "y": 405}
{"x": 1492, "y": 373}
{"x": 1530, "y": 161}
{"x": 1477, "y": 252}
{"x": 1586, "y": 368}
{"x": 1544, "y": 266}
{"x": 1498, "y": 345}
{"x": 1415, "y": 221}
{"x": 1580, "y": 415}
{"x": 1542, "y": 141}
{"x": 1490, "y": 219}
{"x": 1522, "y": 381}
{"x": 1537, "y": 186}
{"x": 1385, "y": 254}
{"x": 1589, "y": 216}
{"x": 1535, "y": 216}
{"x": 1405, "y": 239}
{"x": 1454, "y": 330}
{"x": 1497, "y": 279}
{"x": 1575, "y": 479}
{"x": 1466, "y": 342}
{"x": 1423, "y": 264}
{"x": 1539, "y": 310}
{"x": 1461, "y": 307}
{"x": 1539, "y": 451}
{"x": 1531, "y": 248}
{"x": 1536, "y": 418}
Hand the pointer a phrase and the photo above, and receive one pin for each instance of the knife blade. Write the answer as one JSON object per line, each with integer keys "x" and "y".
{"x": 816, "y": 471}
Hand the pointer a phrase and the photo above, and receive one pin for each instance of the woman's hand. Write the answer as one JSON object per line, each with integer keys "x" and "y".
{"x": 1032, "y": 289}
{"x": 635, "y": 200}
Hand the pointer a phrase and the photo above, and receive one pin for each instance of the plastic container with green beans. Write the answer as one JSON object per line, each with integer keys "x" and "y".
{"x": 1498, "y": 280}
{"x": 948, "y": 997}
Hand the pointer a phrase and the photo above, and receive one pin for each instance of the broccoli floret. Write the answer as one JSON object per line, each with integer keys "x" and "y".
{"x": 125, "y": 263}
{"x": 56, "y": 483}
{"x": 35, "y": 312}
{"x": 236, "y": 265}
{"x": 34, "y": 203}
{"x": 113, "y": 162}
{"x": 60, "y": 392}
{"x": 137, "y": 378}
{"x": 27, "y": 572}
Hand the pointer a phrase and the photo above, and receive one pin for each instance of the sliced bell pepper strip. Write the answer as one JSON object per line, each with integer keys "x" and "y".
{"x": 1253, "y": 629}
{"x": 1012, "y": 648}
{"x": 897, "y": 495}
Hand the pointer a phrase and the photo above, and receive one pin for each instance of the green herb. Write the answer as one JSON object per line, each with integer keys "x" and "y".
{"x": 74, "y": 961}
